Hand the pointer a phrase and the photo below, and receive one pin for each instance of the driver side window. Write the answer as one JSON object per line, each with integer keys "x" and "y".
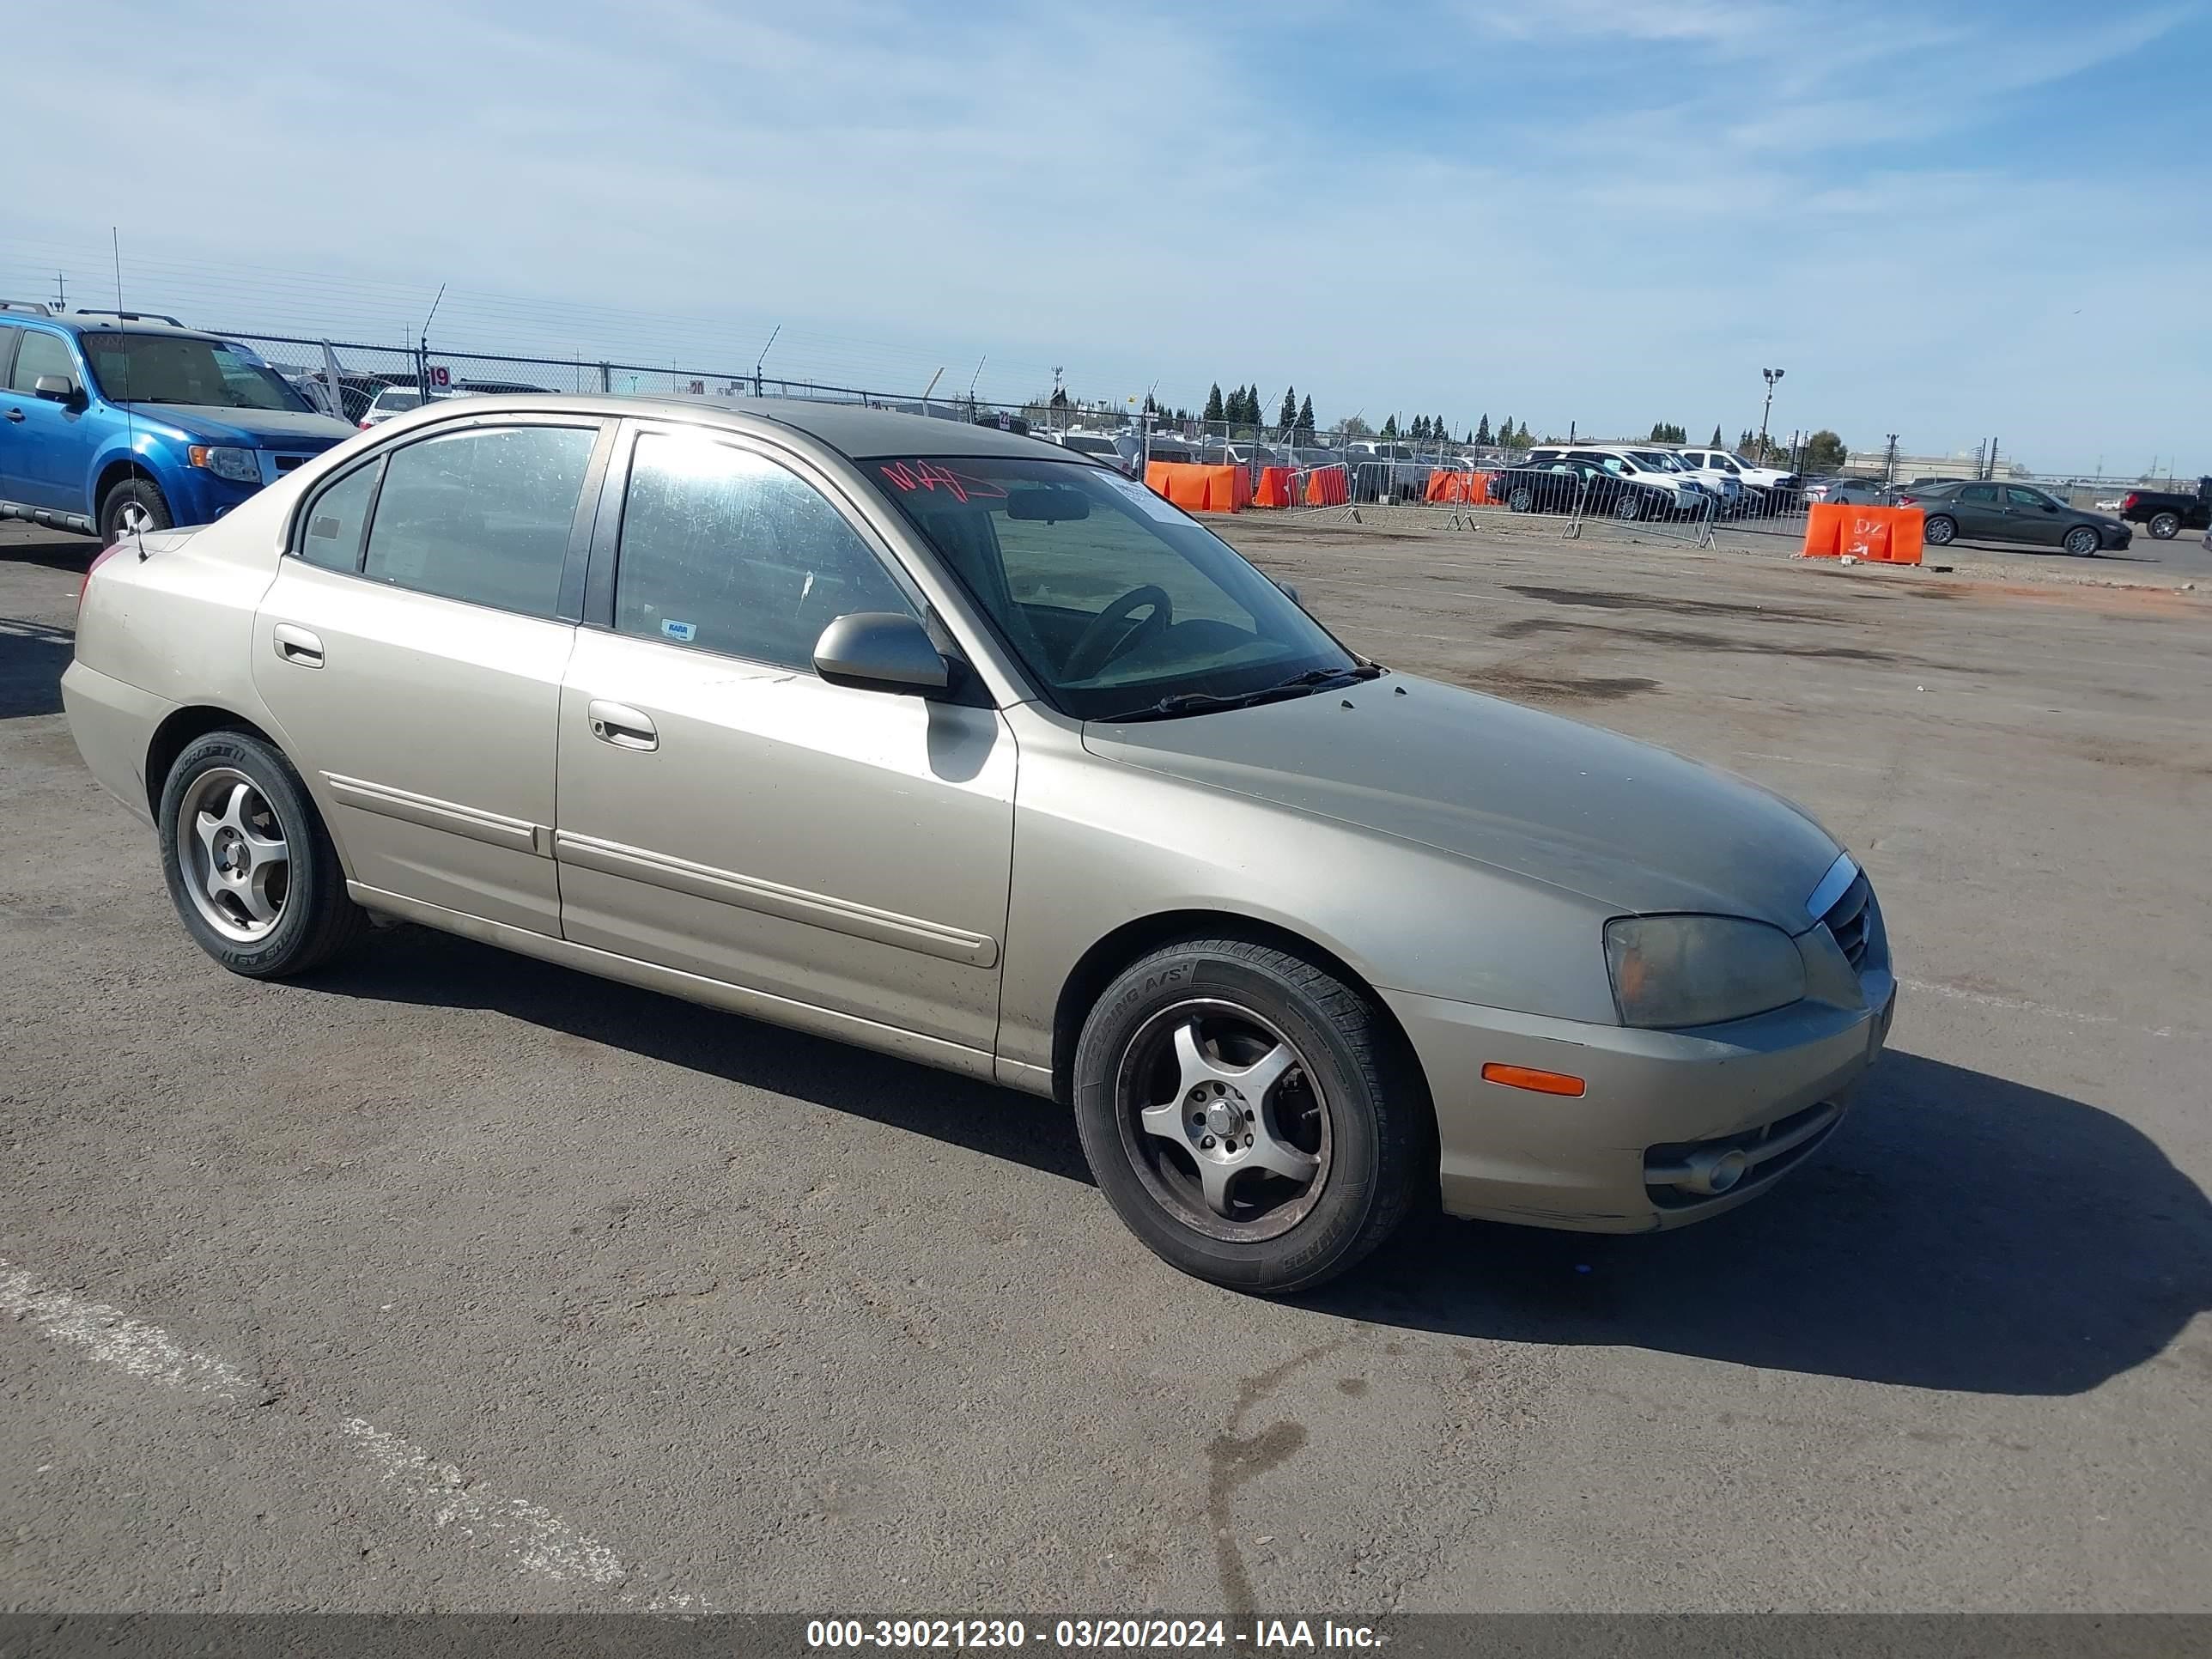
{"x": 723, "y": 549}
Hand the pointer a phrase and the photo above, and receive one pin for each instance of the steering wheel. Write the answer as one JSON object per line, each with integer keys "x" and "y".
{"x": 1111, "y": 635}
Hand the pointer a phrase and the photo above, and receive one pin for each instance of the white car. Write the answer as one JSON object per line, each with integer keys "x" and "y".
{"x": 1773, "y": 486}
{"x": 398, "y": 399}
{"x": 1690, "y": 497}
{"x": 1728, "y": 486}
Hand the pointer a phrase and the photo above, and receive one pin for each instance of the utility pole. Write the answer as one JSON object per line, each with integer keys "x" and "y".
{"x": 1773, "y": 375}
{"x": 61, "y": 292}
{"x": 1889, "y": 461}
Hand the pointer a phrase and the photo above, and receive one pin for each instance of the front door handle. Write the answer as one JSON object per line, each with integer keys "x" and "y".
{"x": 16, "y": 416}
{"x": 625, "y": 727}
{"x": 297, "y": 644}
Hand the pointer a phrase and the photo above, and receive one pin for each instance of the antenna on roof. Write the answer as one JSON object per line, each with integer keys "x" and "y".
{"x": 137, "y": 520}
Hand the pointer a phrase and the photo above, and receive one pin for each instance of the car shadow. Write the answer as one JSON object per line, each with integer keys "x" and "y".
{"x": 26, "y": 544}
{"x": 32, "y": 658}
{"x": 1959, "y": 1232}
{"x": 418, "y": 965}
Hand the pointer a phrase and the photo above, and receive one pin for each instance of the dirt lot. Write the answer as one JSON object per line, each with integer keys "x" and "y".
{"x": 454, "y": 1280}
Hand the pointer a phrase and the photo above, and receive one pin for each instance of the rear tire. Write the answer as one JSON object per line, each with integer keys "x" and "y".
{"x": 134, "y": 505}
{"x": 1940, "y": 531}
{"x": 1162, "y": 1052}
{"x": 2165, "y": 526}
{"x": 1522, "y": 500}
{"x": 229, "y": 801}
{"x": 1626, "y": 508}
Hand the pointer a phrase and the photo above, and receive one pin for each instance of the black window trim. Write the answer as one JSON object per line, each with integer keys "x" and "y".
{"x": 10, "y": 334}
{"x": 567, "y": 607}
{"x": 598, "y": 612}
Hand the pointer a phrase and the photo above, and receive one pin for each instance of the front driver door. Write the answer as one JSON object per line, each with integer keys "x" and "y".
{"x": 723, "y": 810}
{"x": 2033, "y": 516}
{"x": 1979, "y": 513}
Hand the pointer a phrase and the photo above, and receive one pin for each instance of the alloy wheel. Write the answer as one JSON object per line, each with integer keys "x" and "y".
{"x": 237, "y": 864}
{"x": 1223, "y": 1121}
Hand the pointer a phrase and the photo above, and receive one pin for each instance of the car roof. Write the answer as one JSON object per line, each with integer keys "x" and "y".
{"x": 856, "y": 433}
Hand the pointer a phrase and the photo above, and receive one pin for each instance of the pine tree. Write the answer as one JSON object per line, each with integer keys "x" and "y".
{"x": 1212, "y": 404}
{"x": 1715, "y": 443}
{"x": 1390, "y": 426}
{"x": 1305, "y": 422}
{"x": 1505, "y": 433}
{"x": 1482, "y": 432}
{"x": 1289, "y": 418}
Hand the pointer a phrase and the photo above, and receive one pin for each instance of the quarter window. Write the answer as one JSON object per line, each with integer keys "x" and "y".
{"x": 725, "y": 550}
{"x": 40, "y": 354}
{"x": 332, "y": 538}
{"x": 482, "y": 515}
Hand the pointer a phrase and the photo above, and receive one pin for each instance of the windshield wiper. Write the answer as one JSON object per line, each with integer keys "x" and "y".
{"x": 1203, "y": 702}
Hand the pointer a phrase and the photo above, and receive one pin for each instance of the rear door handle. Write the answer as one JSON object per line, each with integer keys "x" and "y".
{"x": 625, "y": 727}
{"x": 297, "y": 644}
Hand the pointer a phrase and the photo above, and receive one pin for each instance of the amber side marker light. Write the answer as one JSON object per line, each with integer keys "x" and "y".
{"x": 1528, "y": 1076}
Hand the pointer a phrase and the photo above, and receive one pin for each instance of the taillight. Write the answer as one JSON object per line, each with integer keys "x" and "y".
{"x": 98, "y": 560}
{"x": 2130, "y": 502}
{"x": 1908, "y": 501}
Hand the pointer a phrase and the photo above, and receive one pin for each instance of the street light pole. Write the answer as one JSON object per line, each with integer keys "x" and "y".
{"x": 1773, "y": 375}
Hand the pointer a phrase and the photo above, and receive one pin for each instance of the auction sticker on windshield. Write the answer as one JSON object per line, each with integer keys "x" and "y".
{"x": 1153, "y": 504}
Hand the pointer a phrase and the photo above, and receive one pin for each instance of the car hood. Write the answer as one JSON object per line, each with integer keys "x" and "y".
{"x": 251, "y": 428}
{"x": 1551, "y": 800}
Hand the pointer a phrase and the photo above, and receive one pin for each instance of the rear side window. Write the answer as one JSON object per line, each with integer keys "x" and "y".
{"x": 725, "y": 550}
{"x": 40, "y": 354}
{"x": 332, "y": 538}
{"x": 482, "y": 515}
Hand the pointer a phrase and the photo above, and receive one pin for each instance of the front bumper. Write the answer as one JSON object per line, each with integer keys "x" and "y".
{"x": 1610, "y": 1160}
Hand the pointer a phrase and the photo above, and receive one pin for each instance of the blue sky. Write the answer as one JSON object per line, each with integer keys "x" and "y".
{"x": 1944, "y": 221}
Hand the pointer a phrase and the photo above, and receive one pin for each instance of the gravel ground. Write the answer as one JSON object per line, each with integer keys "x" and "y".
{"x": 451, "y": 1280}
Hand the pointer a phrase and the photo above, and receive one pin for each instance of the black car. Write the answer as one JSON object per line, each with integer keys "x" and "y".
{"x": 1561, "y": 485}
{"x": 1987, "y": 511}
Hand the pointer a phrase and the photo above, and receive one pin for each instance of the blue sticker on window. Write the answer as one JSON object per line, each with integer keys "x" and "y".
{"x": 678, "y": 630}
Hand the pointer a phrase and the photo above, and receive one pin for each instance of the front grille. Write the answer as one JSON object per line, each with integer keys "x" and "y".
{"x": 1849, "y": 919}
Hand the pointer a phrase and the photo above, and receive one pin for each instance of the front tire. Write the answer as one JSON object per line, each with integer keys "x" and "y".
{"x": 2165, "y": 526}
{"x": 1248, "y": 1115}
{"x": 133, "y": 507}
{"x": 1940, "y": 531}
{"x": 2082, "y": 542}
{"x": 249, "y": 865}
{"x": 1522, "y": 500}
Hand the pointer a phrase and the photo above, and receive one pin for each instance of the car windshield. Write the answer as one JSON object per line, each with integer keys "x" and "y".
{"x": 1114, "y": 600}
{"x": 1660, "y": 461}
{"x": 177, "y": 368}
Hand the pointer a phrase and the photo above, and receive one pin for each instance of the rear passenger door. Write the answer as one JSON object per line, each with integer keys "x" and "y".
{"x": 1979, "y": 512}
{"x": 411, "y": 650}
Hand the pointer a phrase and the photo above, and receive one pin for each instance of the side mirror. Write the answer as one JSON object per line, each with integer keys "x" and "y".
{"x": 1289, "y": 592}
{"x": 55, "y": 388}
{"x": 881, "y": 651}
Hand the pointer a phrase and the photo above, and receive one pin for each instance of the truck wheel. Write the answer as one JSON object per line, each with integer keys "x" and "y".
{"x": 133, "y": 507}
{"x": 2165, "y": 526}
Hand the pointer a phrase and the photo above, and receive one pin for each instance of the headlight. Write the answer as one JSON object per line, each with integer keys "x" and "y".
{"x": 1671, "y": 971}
{"x": 239, "y": 465}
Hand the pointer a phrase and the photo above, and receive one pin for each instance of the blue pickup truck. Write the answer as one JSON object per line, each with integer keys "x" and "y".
{"x": 114, "y": 423}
